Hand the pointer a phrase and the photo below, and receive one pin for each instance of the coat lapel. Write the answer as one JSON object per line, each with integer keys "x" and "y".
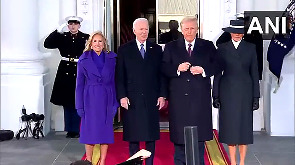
{"x": 241, "y": 46}
{"x": 197, "y": 48}
{"x": 89, "y": 64}
{"x": 236, "y": 51}
{"x": 148, "y": 50}
{"x": 109, "y": 62}
{"x": 136, "y": 51}
{"x": 233, "y": 52}
{"x": 182, "y": 52}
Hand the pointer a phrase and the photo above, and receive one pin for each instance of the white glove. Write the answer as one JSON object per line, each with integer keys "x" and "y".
{"x": 61, "y": 27}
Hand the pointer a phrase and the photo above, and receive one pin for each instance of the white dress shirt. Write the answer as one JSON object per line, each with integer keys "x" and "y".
{"x": 193, "y": 44}
{"x": 236, "y": 43}
{"x": 139, "y": 45}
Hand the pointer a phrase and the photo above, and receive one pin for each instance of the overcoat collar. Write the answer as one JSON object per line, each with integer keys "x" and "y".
{"x": 88, "y": 63}
{"x": 182, "y": 48}
{"x": 137, "y": 52}
{"x": 232, "y": 47}
{"x": 79, "y": 33}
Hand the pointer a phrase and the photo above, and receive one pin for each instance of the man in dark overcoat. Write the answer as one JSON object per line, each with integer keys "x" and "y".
{"x": 188, "y": 63}
{"x": 70, "y": 45}
{"x": 141, "y": 89}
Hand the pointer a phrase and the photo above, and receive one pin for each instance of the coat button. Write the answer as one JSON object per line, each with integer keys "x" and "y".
{"x": 68, "y": 64}
{"x": 73, "y": 41}
{"x": 142, "y": 94}
{"x": 188, "y": 80}
{"x": 186, "y": 94}
{"x": 67, "y": 73}
{"x": 75, "y": 65}
{"x": 68, "y": 55}
{"x": 74, "y": 74}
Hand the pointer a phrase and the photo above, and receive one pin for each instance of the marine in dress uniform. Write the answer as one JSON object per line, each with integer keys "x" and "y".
{"x": 71, "y": 45}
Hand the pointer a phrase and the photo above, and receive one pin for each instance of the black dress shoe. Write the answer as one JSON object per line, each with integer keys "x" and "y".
{"x": 69, "y": 134}
{"x": 75, "y": 135}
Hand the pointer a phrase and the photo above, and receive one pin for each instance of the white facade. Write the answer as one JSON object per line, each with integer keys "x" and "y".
{"x": 28, "y": 69}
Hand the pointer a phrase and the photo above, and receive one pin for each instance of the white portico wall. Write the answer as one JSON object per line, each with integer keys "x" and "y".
{"x": 24, "y": 77}
{"x": 59, "y": 10}
{"x": 276, "y": 112}
{"x": 279, "y": 107}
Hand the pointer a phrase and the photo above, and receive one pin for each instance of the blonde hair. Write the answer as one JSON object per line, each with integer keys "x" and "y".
{"x": 89, "y": 41}
{"x": 189, "y": 19}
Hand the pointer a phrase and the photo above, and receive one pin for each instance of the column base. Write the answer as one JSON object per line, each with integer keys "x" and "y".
{"x": 30, "y": 88}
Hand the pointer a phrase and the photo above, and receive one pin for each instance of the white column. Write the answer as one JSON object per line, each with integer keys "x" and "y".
{"x": 67, "y": 8}
{"x": 243, "y": 5}
{"x": 48, "y": 22}
{"x": 23, "y": 75}
{"x": 213, "y": 22}
{"x": 86, "y": 11}
{"x": 93, "y": 13}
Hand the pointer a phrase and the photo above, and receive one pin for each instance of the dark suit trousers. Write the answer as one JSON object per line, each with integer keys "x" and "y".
{"x": 179, "y": 154}
{"x": 149, "y": 145}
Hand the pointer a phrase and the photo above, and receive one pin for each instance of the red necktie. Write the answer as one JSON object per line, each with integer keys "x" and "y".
{"x": 189, "y": 50}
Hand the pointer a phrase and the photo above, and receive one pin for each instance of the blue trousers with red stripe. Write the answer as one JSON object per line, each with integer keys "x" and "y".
{"x": 72, "y": 120}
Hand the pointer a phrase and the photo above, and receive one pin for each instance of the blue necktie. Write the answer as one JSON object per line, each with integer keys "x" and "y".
{"x": 142, "y": 51}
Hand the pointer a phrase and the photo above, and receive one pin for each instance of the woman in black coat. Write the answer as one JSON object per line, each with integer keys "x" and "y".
{"x": 236, "y": 91}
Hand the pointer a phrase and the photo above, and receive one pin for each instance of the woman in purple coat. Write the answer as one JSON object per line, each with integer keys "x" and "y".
{"x": 95, "y": 95}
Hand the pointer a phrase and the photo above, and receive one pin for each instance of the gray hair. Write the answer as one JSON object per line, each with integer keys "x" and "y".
{"x": 189, "y": 19}
{"x": 139, "y": 20}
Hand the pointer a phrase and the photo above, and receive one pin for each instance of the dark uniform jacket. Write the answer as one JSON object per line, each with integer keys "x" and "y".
{"x": 70, "y": 46}
{"x": 142, "y": 82}
{"x": 189, "y": 95}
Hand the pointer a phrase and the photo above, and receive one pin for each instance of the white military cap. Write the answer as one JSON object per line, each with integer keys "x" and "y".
{"x": 74, "y": 18}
